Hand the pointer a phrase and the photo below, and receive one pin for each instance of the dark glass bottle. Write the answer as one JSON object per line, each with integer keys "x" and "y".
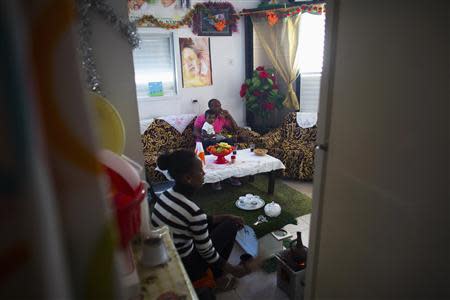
{"x": 299, "y": 252}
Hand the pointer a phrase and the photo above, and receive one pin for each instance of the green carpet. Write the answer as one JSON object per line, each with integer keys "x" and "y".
{"x": 293, "y": 203}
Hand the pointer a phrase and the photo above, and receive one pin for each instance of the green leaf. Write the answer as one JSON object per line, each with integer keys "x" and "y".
{"x": 256, "y": 82}
{"x": 266, "y": 87}
{"x": 248, "y": 81}
{"x": 270, "y": 81}
{"x": 253, "y": 107}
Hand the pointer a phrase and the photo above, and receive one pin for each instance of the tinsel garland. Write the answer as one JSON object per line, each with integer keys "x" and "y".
{"x": 287, "y": 12}
{"x": 125, "y": 27}
{"x": 149, "y": 19}
{"x": 192, "y": 17}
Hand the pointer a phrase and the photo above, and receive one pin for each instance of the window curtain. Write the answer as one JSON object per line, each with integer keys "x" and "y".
{"x": 280, "y": 43}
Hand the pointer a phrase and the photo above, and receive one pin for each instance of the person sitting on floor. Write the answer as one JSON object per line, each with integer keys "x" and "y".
{"x": 223, "y": 120}
{"x": 202, "y": 241}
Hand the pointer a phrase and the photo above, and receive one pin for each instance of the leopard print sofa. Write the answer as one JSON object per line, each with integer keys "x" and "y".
{"x": 161, "y": 137}
{"x": 294, "y": 146}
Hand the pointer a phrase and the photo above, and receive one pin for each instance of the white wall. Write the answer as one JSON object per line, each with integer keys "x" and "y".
{"x": 113, "y": 56}
{"x": 228, "y": 73}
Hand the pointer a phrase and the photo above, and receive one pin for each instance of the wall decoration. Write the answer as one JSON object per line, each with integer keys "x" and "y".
{"x": 195, "y": 62}
{"x": 155, "y": 89}
{"x": 163, "y": 10}
{"x": 124, "y": 26}
{"x": 273, "y": 15}
{"x": 215, "y": 19}
{"x": 220, "y": 19}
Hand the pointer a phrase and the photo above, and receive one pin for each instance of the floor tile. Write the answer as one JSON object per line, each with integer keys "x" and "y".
{"x": 303, "y": 187}
{"x": 230, "y": 295}
{"x": 306, "y": 218}
{"x": 258, "y": 286}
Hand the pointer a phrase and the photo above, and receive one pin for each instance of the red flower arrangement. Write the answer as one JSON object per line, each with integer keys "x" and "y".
{"x": 261, "y": 93}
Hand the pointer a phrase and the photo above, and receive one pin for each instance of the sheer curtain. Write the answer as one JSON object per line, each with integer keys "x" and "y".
{"x": 280, "y": 42}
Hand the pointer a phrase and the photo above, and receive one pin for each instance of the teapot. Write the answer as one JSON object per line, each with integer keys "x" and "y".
{"x": 272, "y": 209}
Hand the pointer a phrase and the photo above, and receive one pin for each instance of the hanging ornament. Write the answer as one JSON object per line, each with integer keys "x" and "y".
{"x": 272, "y": 18}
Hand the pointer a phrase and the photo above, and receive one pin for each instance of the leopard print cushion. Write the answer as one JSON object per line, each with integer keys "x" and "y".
{"x": 294, "y": 146}
{"x": 187, "y": 138}
{"x": 271, "y": 139}
{"x": 299, "y": 136}
{"x": 299, "y": 163}
{"x": 161, "y": 137}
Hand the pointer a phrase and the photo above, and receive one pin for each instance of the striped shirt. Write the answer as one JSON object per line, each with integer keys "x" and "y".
{"x": 187, "y": 222}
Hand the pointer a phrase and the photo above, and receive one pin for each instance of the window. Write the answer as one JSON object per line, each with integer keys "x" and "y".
{"x": 154, "y": 62}
{"x": 311, "y": 42}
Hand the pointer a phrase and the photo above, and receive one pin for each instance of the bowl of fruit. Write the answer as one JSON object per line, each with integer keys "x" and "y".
{"x": 220, "y": 150}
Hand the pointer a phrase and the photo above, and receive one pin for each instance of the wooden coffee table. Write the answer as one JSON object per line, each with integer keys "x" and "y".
{"x": 246, "y": 164}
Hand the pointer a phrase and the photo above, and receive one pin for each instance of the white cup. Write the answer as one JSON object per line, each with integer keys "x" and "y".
{"x": 154, "y": 252}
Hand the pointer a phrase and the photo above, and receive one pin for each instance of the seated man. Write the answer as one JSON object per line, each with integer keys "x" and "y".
{"x": 223, "y": 120}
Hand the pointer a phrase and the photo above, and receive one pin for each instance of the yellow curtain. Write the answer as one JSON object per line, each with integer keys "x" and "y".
{"x": 280, "y": 43}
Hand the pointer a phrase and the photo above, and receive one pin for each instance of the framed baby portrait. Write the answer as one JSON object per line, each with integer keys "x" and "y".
{"x": 195, "y": 62}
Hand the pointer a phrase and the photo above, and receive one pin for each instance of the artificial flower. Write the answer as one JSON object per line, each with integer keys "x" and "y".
{"x": 220, "y": 25}
{"x": 263, "y": 74}
{"x": 268, "y": 106}
{"x": 272, "y": 18}
{"x": 243, "y": 91}
{"x": 261, "y": 93}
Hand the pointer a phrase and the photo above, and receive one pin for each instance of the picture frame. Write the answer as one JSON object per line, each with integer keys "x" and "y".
{"x": 195, "y": 57}
{"x": 208, "y": 19}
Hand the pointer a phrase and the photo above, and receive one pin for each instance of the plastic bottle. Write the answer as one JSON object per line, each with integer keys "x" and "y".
{"x": 233, "y": 157}
{"x": 200, "y": 152}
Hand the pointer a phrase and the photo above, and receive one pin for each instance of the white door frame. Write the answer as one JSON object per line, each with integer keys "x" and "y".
{"x": 325, "y": 105}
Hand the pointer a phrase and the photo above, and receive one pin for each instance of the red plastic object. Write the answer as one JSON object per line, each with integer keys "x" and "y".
{"x": 220, "y": 159}
{"x": 220, "y": 156}
{"x": 128, "y": 213}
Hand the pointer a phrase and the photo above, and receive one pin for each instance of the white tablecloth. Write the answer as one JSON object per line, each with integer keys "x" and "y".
{"x": 247, "y": 163}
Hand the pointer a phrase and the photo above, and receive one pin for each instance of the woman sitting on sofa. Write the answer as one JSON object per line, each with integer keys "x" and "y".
{"x": 202, "y": 241}
{"x": 223, "y": 120}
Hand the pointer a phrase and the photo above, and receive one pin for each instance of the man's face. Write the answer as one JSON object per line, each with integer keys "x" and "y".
{"x": 216, "y": 106}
